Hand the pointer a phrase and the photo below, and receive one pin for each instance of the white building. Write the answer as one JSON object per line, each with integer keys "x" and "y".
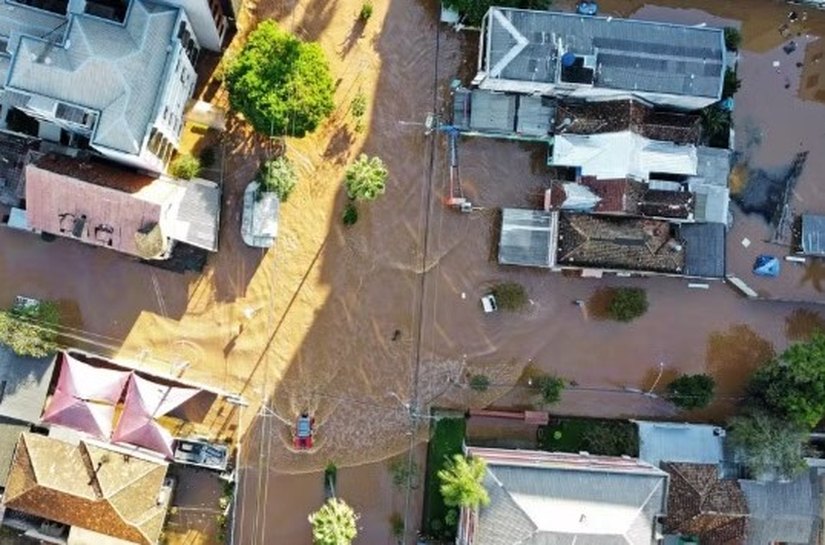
{"x": 597, "y": 58}
{"x": 113, "y": 77}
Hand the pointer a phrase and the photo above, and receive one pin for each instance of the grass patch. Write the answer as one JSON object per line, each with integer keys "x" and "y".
{"x": 604, "y": 437}
{"x": 446, "y": 440}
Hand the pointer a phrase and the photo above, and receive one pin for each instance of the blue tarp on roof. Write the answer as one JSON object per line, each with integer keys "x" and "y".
{"x": 766, "y": 265}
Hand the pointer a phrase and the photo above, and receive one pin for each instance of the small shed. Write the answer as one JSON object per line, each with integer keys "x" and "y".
{"x": 813, "y": 235}
{"x": 528, "y": 238}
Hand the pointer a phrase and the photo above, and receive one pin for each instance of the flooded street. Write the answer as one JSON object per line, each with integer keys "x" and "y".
{"x": 351, "y": 324}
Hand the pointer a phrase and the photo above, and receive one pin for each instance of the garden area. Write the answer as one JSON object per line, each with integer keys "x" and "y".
{"x": 595, "y": 436}
{"x": 446, "y": 441}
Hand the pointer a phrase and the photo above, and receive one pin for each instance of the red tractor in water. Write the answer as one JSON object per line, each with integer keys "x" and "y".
{"x": 304, "y": 428}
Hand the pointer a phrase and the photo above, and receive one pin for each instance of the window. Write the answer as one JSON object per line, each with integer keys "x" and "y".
{"x": 4, "y": 46}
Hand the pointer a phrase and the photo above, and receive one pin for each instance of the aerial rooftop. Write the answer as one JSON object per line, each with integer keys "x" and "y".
{"x": 605, "y": 52}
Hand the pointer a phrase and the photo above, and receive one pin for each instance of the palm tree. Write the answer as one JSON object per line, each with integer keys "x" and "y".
{"x": 334, "y": 523}
{"x": 462, "y": 482}
{"x": 366, "y": 178}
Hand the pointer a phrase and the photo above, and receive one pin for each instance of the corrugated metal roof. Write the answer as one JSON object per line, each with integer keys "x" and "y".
{"x": 196, "y": 219}
{"x": 813, "y": 234}
{"x": 784, "y": 512}
{"x": 630, "y": 54}
{"x": 622, "y": 154}
{"x": 528, "y": 238}
{"x": 704, "y": 249}
{"x": 25, "y": 382}
{"x": 677, "y": 442}
{"x": 115, "y": 69}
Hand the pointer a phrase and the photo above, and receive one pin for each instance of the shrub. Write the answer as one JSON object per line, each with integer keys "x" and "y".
{"x": 767, "y": 444}
{"x": 733, "y": 38}
{"x": 366, "y": 11}
{"x": 277, "y": 176}
{"x": 692, "y": 391}
{"x": 550, "y": 388}
{"x": 474, "y": 10}
{"x": 366, "y": 178}
{"x": 510, "y": 296}
{"x": 403, "y": 474}
{"x": 207, "y": 157}
{"x": 479, "y": 383}
{"x": 185, "y": 167}
{"x": 350, "y": 214}
{"x": 731, "y": 84}
{"x": 397, "y": 525}
{"x": 358, "y": 107}
{"x": 627, "y": 304}
{"x": 30, "y": 330}
{"x": 335, "y": 523}
{"x": 282, "y": 85}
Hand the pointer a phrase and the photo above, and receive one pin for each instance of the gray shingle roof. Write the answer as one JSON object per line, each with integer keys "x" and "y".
{"x": 784, "y": 512}
{"x": 630, "y": 54}
{"x": 704, "y": 249}
{"x": 24, "y": 383}
{"x": 528, "y": 237}
{"x": 564, "y": 503}
{"x": 115, "y": 69}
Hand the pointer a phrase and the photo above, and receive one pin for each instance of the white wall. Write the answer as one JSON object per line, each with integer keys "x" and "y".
{"x": 200, "y": 16}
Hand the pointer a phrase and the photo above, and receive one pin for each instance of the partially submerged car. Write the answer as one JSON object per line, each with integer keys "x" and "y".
{"x": 259, "y": 223}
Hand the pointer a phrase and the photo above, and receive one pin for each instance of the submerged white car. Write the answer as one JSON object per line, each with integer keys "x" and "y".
{"x": 259, "y": 223}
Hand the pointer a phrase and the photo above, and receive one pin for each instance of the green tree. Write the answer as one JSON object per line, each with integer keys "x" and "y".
{"x": 474, "y": 10}
{"x": 716, "y": 124}
{"x": 185, "y": 167}
{"x": 731, "y": 84}
{"x": 768, "y": 444}
{"x": 793, "y": 386}
{"x": 510, "y": 296}
{"x": 627, "y": 304}
{"x": 334, "y": 523}
{"x": 462, "y": 482}
{"x": 550, "y": 388}
{"x": 366, "y": 178}
{"x": 692, "y": 391}
{"x": 479, "y": 382}
{"x": 30, "y": 330}
{"x": 277, "y": 176}
{"x": 733, "y": 38}
{"x": 280, "y": 84}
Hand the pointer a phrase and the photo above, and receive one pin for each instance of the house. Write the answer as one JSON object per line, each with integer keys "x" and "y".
{"x": 113, "y": 78}
{"x": 600, "y": 58}
{"x": 543, "y": 497}
{"x": 704, "y": 505}
{"x": 85, "y": 492}
{"x": 99, "y": 204}
{"x": 786, "y": 511}
{"x": 593, "y": 244}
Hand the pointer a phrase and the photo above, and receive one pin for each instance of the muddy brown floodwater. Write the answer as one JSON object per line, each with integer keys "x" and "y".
{"x": 335, "y": 320}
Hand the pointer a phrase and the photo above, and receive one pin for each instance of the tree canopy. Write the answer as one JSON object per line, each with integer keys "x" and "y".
{"x": 30, "y": 330}
{"x": 627, "y": 304}
{"x": 280, "y": 84}
{"x": 474, "y": 10}
{"x": 769, "y": 445}
{"x": 277, "y": 176}
{"x": 692, "y": 391}
{"x": 334, "y": 523}
{"x": 366, "y": 178}
{"x": 793, "y": 385}
{"x": 462, "y": 482}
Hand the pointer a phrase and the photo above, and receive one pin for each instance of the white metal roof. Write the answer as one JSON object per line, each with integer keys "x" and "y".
{"x": 623, "y": 154}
